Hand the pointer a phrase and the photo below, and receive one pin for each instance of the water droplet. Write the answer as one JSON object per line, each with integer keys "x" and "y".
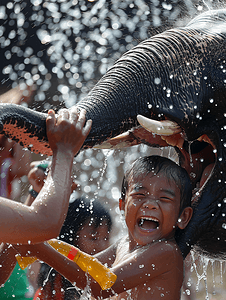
{"x": 188, "y": 292}
{"x": 157, "y": 80}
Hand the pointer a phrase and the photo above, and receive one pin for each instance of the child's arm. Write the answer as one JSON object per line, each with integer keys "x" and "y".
{"x": 44, "y": 218}
{"x": 134, "y": 269}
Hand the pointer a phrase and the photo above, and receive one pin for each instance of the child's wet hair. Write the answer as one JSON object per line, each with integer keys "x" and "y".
{"x": 80, "y": 212}
{"x": 157, "y": 164}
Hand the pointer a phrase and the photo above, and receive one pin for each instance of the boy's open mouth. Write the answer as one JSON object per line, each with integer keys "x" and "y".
{"x": 148, "y": 223}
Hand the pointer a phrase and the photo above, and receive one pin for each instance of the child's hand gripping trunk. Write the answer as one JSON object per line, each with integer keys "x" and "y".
{"x": 86, "y": 262}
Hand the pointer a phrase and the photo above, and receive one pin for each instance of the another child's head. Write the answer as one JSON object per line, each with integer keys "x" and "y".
{"x": 156, "y": 196}
{"x": 87, "y": 225}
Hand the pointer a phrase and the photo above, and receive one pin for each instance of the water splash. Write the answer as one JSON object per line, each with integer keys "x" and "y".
{"x": 203, "y": 275}
{"x": 209, "y": 6}
{"x": 221, "y": 271}
{"x": 208, "y": 277}
{"x": 87, "y": 291}
{"x": 213, "y": 274}
{"x": 190, "y": 155}
{"x": 47, "y": 277}
{"x": 102, "y": 171}
{"x": 80, "y": 40}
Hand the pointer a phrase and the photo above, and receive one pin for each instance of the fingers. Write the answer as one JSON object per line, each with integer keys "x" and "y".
{"x": 78, "y": 118}
{"x": 73, "y": 114}
{"x": 82, "y": 120}
{"x": 67, "y": 121}
{"x": 51, "y": 120}
{"x": 63, "y": 114}
{"x": 87, "y": 127}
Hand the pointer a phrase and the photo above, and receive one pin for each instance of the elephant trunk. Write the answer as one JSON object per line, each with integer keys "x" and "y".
{"x": 117, "y": 99}
{"x": 149, "y": 80}
{"x": 152, "y": 79}
{"x": 25, "y": 126}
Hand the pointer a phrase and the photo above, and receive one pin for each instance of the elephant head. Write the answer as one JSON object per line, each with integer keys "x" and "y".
{"x": 178, "y": 76}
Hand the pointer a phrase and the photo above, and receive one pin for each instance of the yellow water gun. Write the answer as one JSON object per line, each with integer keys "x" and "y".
{"x": 86, "y": 262}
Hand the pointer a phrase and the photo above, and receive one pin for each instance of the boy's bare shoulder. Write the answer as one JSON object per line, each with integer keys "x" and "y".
{"x": 167, "y": 251}
{"x": 162, "y": 262}
{"x": 170, "y": 247}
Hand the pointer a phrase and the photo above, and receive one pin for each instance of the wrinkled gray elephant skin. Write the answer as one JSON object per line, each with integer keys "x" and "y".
{"x": 179, "y": 75}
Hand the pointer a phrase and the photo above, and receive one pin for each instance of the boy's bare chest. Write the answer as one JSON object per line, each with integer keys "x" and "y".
{"x": 161, "y": 287}
{"x": 165, "y": 286}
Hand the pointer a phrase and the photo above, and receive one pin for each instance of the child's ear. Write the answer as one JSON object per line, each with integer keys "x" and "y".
{"x": 121, "y": 204}
{"x": 185, "y": 217}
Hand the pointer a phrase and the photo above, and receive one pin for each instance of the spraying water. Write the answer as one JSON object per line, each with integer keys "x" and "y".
{"x": 63, "y": 47}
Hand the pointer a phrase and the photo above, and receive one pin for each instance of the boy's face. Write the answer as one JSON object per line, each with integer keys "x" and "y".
{"x": 152, "y": 206}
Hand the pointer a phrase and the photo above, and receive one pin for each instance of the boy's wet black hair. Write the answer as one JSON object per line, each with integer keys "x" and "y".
{"x": 80, "y": 212}
{"x": 157, "y": 164}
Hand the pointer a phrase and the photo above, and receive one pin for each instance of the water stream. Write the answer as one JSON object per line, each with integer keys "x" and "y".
{"x": 63, "y": 48}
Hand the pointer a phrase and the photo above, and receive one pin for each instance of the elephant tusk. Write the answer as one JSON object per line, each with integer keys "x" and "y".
{"x": 120, "y": 141}
{"x": 164, "y": 127}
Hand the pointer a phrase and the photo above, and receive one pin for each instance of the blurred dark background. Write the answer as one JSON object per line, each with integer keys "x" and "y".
{"x": 64, "y": 47}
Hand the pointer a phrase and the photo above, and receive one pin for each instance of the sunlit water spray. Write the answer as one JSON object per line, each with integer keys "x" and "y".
{"x": 209, "y": 6}
{"x": 103, "y": 169}
{"x": 73, "y": 64}
{"x": 206, "y": 277}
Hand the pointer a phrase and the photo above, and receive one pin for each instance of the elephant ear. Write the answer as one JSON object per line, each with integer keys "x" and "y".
{"x": 206, "y": 229}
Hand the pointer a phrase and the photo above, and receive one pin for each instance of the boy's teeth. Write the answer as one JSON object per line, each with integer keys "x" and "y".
{"x": 148, "y": 223}
{"x": 148, "y": 219}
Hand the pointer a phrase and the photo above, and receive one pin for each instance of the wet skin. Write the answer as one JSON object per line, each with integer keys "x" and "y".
{"x": 151, "y": 209}
{"x": 148, "y": 263}
{"x": 152, "y": 206}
